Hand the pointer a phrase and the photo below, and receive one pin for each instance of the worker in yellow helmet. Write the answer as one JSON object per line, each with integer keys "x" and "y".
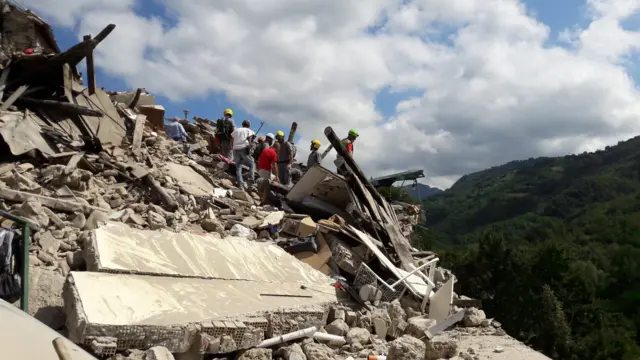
{"x": 285, "y": 158}
{"x": 347, "y": 143}
{"x": 315, "y": 158}
{"x": 224, "y": 127}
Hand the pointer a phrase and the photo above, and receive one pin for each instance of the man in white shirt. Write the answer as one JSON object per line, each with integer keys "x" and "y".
{"x": 242, "y": 138}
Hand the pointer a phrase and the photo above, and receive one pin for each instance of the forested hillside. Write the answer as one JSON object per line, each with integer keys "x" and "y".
{"x": 552, "y": 247}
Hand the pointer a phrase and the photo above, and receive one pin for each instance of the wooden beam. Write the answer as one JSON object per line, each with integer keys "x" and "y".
{"x": 335, "y": 141}
{"x": 64, "y": 106}
{"x": 3, "y": 78}
{"x": 91, "y": 75}
{"x": 292, "y": 131}
{"x": 72, "y": 56}
{"x": 14, "y": 96}
{"x": 73, "y": 163}
{"x": 137, "y": 135}
{"x": 135, "y": 99}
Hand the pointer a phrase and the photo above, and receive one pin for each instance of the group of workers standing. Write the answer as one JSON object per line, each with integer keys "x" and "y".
{"x": 271, "y": 155}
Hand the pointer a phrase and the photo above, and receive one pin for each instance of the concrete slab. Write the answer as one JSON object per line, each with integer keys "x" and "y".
{"x": 141, "y": 311}
{"x": 188, "y": 179}
{"x": 116, "y": 247}
{"x": 127, "y": 299}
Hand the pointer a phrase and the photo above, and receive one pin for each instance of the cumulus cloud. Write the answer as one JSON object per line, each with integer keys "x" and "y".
{"x": 494, "y": 88}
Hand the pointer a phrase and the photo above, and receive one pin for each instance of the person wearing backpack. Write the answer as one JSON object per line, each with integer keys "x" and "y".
{"x": 286, "y": 156}
{"x": 224, "y": 128}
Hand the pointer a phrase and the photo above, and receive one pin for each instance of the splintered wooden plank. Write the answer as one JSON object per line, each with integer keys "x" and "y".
{"x": 16, "y": 94}
{"x": 73, "y": 163}
{"x": 137, "y": 135}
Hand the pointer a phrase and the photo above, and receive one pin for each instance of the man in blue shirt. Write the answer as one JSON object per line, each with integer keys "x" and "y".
{"x": 175, "y": 130}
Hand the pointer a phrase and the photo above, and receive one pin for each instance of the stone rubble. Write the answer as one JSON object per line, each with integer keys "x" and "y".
{"x": 142, "y": 178}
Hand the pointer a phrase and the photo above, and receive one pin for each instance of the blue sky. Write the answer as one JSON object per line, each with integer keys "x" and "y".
{"x": 558, "y": 15}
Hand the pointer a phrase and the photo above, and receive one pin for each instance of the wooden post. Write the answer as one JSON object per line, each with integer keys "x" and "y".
{"x": 91, "y": 75}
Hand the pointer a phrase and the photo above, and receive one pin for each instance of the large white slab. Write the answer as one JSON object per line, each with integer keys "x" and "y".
{"x": 127, "y": 299}
{"x": 116, "y": 247}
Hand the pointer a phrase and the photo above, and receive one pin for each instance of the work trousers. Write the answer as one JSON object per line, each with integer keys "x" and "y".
{"x": 226, "y": 148}
{"x": 284, "y": 173}
{"x": 242, "y": 157}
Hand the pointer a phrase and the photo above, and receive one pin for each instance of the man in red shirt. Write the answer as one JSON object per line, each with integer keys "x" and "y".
{"x": 267, "y": 163}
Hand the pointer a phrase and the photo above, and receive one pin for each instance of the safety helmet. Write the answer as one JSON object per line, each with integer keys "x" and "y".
{"x": 353, "y": 133}
{"x": 270, "y": 135}
{"x": 228, "y": 112}
{"x": 316, "y": 143}
{"x": 260, "y": 140}
{"x": 280, "y": 133}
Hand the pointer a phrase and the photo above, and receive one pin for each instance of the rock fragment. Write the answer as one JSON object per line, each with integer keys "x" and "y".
{"x": 406, "y": 348}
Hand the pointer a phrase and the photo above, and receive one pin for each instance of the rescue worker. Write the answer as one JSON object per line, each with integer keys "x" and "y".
{"x": 267, "y": 165}
{"x": 347, "y": 143}
{"x": 224, "y": 127}
{"x": 242, "y": 139}
{"x": 315, "y": 158}
{"x": 285, "y": 158}
{"x": 263, "y": 145}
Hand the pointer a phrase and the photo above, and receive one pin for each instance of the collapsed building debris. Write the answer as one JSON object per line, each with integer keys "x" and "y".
{"x": 140, "y": 250}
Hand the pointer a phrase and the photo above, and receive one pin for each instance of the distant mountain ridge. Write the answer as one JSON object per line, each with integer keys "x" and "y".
{"x": 554, "y": 233}
{"x": 421, "y": 191}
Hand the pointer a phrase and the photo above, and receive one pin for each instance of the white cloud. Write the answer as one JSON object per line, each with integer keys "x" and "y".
{"x": 494, "y": 90}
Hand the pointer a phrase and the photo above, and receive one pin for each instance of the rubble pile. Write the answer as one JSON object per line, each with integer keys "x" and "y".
{"x": 143, "y": 250}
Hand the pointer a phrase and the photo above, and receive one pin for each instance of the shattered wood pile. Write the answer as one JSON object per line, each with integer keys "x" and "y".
{"x": 138, "y": 246}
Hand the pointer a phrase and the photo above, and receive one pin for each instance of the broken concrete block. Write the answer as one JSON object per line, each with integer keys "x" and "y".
{"x": 242, "y": 195}
{"x": 418, "y": 325}
{"x": 95, "y": 220}
{"x": 255, "y": 354}
{"x": 212, "y": 225}
{"x": 156, "y": 221}
{"x": 46, "y": 258}
{"x": 34, "y": 210}
{"x": 473, "y": 317}
{"x": 75, "y": 260}
{"x": 396, "y": 312}
{"x": 45, "y": 296}
{"x": 48, "y": 243}
{"x": 351, "y": 317}
{"x": 55, "y": 219}
{"x": 440, "y": 349}
{"x": 337, "y": 327}
{"x": 315, "y": 351}
{"x": 79, "y": 221}
{"x": 370, "y": 293}
{"x": 406, "y": 348}
{"x": 336, "y": 313}
{"x": 292, "y": 352}
{"x": 251, "y": 222}
{"x": 358, "y": 335}
{"x": 158, "y": 353}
